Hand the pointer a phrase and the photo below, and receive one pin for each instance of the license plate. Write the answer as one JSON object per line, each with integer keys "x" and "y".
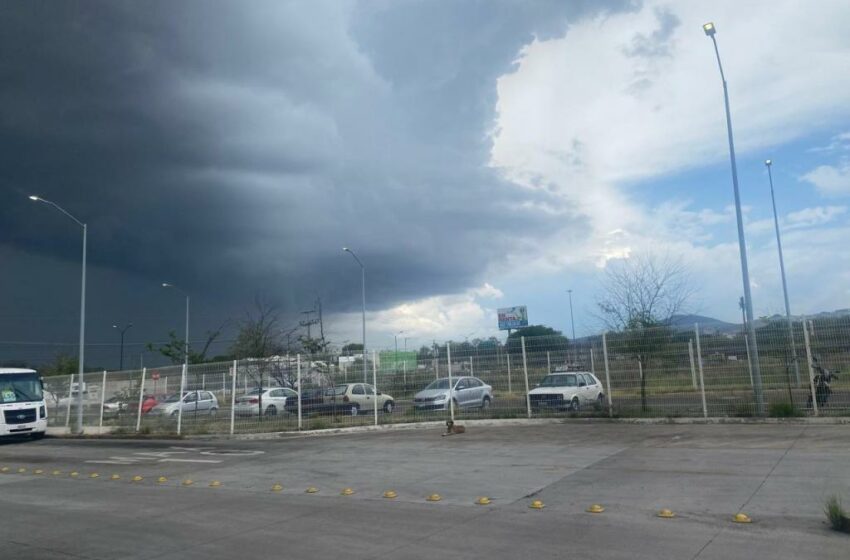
{"x": 20, "y": 426}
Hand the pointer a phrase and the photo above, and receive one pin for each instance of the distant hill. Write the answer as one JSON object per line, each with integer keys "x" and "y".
{"x": 711, "y": 325}
{"x": 706, "y": 324}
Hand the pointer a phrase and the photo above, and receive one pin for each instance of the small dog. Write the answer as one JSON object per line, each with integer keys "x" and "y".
{"x": 452, "y": 428}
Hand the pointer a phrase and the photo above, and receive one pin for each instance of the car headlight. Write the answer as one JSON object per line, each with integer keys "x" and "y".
{"x": 42, "y": 412}
{"x": 440, "y": 398}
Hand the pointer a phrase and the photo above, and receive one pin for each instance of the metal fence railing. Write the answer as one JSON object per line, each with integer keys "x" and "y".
{"x": 658, "y": 372}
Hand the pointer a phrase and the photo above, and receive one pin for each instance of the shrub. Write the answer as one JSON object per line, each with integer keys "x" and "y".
{"x": 836, "y": 515}
{"x": 318, "y": 425}
{"x": 783, "y": 410}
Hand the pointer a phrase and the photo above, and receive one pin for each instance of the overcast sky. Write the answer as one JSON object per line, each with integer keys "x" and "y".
{"x": 474, "y": 154}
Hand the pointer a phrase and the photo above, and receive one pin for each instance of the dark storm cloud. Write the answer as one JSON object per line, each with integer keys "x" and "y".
{"x": 236, "y": 147}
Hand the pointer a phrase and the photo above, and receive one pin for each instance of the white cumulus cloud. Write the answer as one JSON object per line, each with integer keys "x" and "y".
{"x": 830, "y": 180}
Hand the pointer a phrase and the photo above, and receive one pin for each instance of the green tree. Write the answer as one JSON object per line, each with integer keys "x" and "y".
{"x": 174, "y": 348}
{"x": 62, "y": 364}
{"x": 544, "y": 339}
{"x": 352, "y": 348}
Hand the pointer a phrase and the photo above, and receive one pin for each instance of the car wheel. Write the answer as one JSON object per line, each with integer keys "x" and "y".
{"x": 213, "y": 411}
{"x": 600, "y": 402}
{"x": 388, "y": 407}
{"x": 271, "y": 410}
{"x": 485, "y": 404}
{"x": 354, "y": 410}
{"x": 174, "y": 414}
{"x": 575, "y": 404}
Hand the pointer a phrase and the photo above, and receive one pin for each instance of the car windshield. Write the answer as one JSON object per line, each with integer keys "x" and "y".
{"x": 337, "y": 391}
{"x": 20, "y": 387}
{"x": 171, "y": 398}
{"x": 256, "y": 391}
{"x": 559, "y": 381}
{"x": 438, "y": 384}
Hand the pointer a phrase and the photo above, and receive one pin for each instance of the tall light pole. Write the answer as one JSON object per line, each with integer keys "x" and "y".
{"x": 572, "y": 322}
{"x": 710, "y": 31}
{"x": 122, "y": 331}
{"x": 186, "y": 340}
{"x": 363, "y": 283}
{"x": 395, "y": 336}
{"x": 767, "y": 164}
{"x": 81, "y": 361}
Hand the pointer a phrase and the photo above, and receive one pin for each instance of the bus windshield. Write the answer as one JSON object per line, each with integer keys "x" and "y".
{"x": 20, "y": 387}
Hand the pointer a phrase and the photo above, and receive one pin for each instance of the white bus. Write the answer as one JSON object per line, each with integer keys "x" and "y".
{"x": 22, "y": 407}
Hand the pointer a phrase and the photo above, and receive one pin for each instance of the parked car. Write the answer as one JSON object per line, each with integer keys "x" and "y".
{"x": 114, "y": 406}
{"x": 273, "y": 401}
{"x": 571, "y": 390}
{"x": 467, "y": 392}
{"x": 348, "y": 398}
{"x": 193, "y": 402}
{"x": 148, "y": 403}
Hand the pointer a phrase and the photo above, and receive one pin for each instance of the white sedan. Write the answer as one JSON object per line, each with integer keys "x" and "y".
{"x": 567, "y": 390}
{"x": 273, "y": 401}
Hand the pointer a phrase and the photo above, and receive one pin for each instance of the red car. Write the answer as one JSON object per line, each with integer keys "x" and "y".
{"x": 148, "y": 402}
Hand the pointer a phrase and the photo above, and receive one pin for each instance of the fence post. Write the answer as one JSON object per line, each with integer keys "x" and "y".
{"x": 701, "y": 377}
{"x": 471, "y": 367}
{"x": 68, "y": 408}
{"x": 607, "y": 375}
{"x": 811, "y": 371}
{"x": 180, "y": 400}
{"x": 102, "y": 397}
{"x": 749, "y": 362}
{"x": 525, "y": 372}
{"x": 693, "y": 365}
{"x": 203, "y": 381}
{"x": 509, "y": 373}
{"x": 233, "y": 400}
{"x": 548, "y": 363}
{"x": 298, "y": 380}
{"x": 451, "y": 385}
{"x": 375, "y": 382}
{"x": 141, "y": 400}
{"x": 592, "y": 365}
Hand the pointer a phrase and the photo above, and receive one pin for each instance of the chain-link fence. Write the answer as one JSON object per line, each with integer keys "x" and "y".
{"x": 657, "y": 372}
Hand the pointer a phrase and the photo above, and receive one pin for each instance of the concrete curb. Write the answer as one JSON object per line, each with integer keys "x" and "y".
{"x": 95, "y": 432}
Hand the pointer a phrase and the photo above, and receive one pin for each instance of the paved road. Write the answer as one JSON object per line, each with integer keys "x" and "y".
{"x": 779, "y": 474}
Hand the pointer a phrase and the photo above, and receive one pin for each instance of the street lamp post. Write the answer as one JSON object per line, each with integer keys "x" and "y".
{"x": 122, "y": 331}
{"x": 395, "y": 337}
{"x": 363, "y": 284}
{"x": 186, "y": 340}
{"x": 81, "y": 361}
{"x": 710, "y": 31}
{"x": 768, "y": 163}
{"x": 572, "y": 324}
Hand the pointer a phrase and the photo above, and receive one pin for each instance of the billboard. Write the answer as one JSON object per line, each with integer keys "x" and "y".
{"x": 513, "y": 317}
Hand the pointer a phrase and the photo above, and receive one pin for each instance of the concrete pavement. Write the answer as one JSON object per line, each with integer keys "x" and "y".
{"x": 779, "y": 474}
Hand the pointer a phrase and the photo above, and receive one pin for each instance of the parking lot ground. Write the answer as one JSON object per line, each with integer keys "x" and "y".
{"x": 780, "y": 475}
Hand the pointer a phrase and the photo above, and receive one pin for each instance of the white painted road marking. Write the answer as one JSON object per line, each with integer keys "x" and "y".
{"x": 167, "y": 456}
